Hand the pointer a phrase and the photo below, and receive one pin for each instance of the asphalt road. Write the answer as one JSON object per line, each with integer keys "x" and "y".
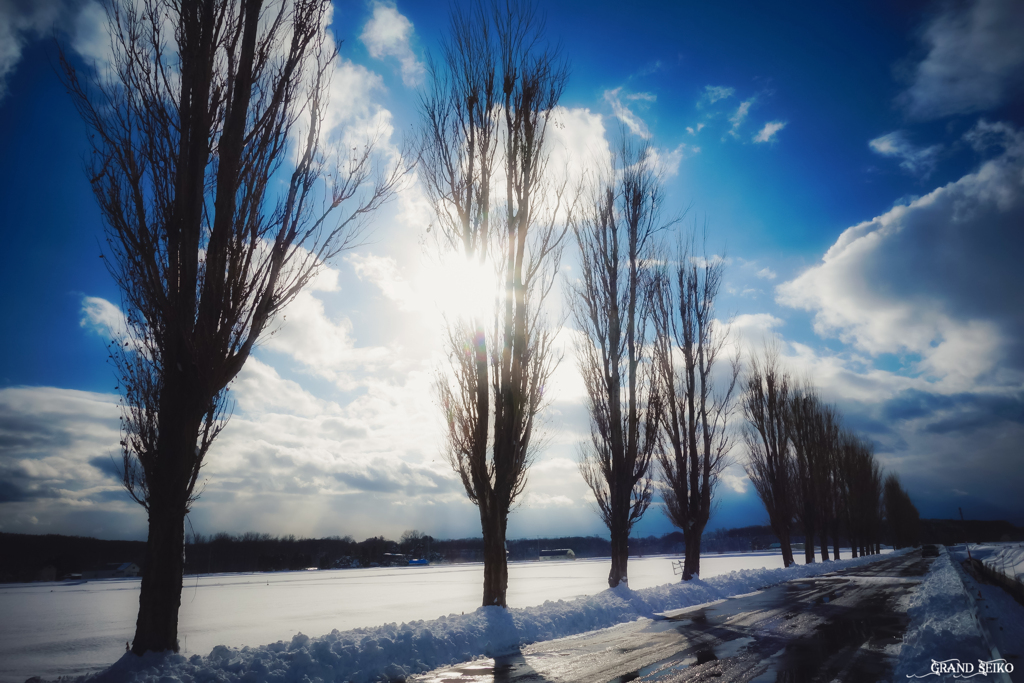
{"x": 841, "y": 627}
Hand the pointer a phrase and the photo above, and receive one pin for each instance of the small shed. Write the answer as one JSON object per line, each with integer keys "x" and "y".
{"x": 127, "y": 569}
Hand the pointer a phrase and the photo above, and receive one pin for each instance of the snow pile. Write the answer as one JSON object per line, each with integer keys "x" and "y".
{"x": 942, "y": 622}
{"x": 394, "y": 651}
{"x": 1007, "y": 560}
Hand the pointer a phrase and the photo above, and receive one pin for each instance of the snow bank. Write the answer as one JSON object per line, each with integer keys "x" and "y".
{"x": 943, "y": 622}
{"x": 394, "y": 651}
{"x": 1005, "y": 559}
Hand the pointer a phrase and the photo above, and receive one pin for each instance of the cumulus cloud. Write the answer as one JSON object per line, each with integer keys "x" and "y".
{"x": 623, "y": 113}
{"x": 388, "y": 34}
{"x": 916, "y": 160}
{"x": 21, "y": 22}
{"x": 58, "y": 464}
{"x": 753, "y": 329}
{"x": 735, "y": 480}
{"x": 714, "y": 93}
{"x": 103, "y": 317}
{"x": 693, "y": 130}
{"x": 766, "y": 273}
{"x": 975, "y": 58}
{"x": 939, "y": 277}
{"x": 767, "y": 134}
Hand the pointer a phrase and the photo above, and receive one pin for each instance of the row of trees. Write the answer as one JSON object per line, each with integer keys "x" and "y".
{"x": 812, "y": 473}
{"x": 648, "y": 350}
{"x": 209, "y": 103}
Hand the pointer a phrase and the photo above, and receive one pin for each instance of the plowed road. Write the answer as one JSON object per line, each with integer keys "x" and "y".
{"x": 841, "y": 626}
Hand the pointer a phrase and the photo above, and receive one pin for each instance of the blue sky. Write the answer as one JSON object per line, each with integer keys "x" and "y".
{"x": 861, "y": 168}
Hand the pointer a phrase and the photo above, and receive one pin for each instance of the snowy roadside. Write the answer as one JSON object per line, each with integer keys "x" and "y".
{"x": 1003, "y": 558}
{"x": 944, "y": 624}
{"x": 394, "y": 651}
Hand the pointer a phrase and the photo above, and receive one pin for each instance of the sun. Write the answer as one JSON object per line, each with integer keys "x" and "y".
{"x": 459, "y": 288}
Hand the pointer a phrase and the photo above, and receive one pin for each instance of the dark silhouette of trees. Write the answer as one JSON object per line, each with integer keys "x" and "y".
{"x": 612, "y": 304}
{"x": 860, "y": 483}
{"x": 901, "y": 515}
{"x": 803, "y": 412}
{"x": 826, "y": 438}
{"x": 208, "y": 100}
{"x": 694, "y": 435}
{"x": 485, "y": 115}
{"x": 814, "y": 434}
{"x": 806, "y": 468}
{"x": 766, "y": 396}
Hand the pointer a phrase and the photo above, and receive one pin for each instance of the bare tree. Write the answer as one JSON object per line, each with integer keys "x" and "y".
{"x": 826, "y": 444}
{"x": 202, "y": 109}
{"x": 864, "y": 484}
{"x": 484, "y": 118}
{"x": 767, "y": 437}
{"x": 611, "y": 304}
{"x": 695, "y": 440}
{"x": 901, "y": 515}
{"x": 802, "y": 413}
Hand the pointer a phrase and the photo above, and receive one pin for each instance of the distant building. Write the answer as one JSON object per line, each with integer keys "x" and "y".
{"x": 113, "y": 570}
{"x": 558, "y": 554}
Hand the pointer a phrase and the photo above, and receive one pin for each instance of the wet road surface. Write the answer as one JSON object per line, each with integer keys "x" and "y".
{"x": 845, "y": 626}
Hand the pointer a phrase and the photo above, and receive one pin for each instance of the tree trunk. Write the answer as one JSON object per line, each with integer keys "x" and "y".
{"x": 808, "y": 543}
{"x": 495, "y": 560}
{"x": 787, "y": 550}
{"x": 824, "y": 542}
{"x": 620, "y": 556}
{"x": 691, "y": 564}
{"x": 835, "y": 539}
{"x": 157, "y": 627}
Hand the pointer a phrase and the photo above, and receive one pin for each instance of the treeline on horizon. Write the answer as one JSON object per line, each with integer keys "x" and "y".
{"x": 24, "y": 556}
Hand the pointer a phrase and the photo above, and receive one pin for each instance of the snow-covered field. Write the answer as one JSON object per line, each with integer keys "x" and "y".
{"x": 53, "y": 629}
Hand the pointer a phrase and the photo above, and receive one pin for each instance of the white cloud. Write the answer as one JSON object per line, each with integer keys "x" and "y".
{"x": 767, "y": 134}
{"x": 766, "y": 273}
{"x": 623, "y": 113}
{"x": 103, "y": 317}
{"x": 975, "y": 59}
{"x": 916, "y": 160}
{"x": 384, "y": 272}
{"x": 739, "y": 116}
{"x": 666, "y": 162}
{"x": 578, "y": 142}
{"x": 388, "y": 34}
{"x": 642, "y": 96}
{"x": 735, "y": 479}
{"x": 753, "y": 329}
{"x": 939, "y": 278}
{"x": 325, "y": 344}
{"x": 693, "y": 130}
{"x": 714, "y": 93}
{"x": 21, "y": 22}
